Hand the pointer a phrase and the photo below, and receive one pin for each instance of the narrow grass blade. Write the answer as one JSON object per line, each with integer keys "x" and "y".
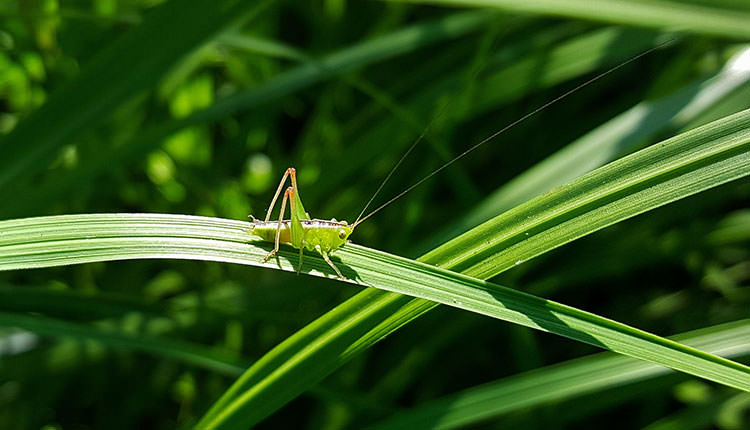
{"x": 530, "y": 73}
{"x": 666, "y": 15}
{"x": 561, "y": 382}
{"x": 72, "y": 303}
{"x": 194, "y": 354}
{"x": 683, "y": 165}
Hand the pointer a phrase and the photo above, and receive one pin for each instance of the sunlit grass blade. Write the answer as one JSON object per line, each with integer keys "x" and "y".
{"x": 71, "y": 239}
{"x": 368, "y": 317}
{"x": 564, "y": 381}
{"x": 683, "y": 165}
{"x": 130, "y": 65}
{"x": 661, "y": 14}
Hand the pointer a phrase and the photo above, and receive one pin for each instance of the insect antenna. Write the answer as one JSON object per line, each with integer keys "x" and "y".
{"x": 401, "y": 160}
{"x": 416, "y": 142}
{"x": 360, "y": 219}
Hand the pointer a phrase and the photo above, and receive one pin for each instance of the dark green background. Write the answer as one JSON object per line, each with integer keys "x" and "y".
{"x": 198, "y": 107}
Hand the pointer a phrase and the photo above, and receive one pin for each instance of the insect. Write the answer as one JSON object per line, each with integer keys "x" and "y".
{"x": 300, "y": 231}
{"x": 325, "y": 237}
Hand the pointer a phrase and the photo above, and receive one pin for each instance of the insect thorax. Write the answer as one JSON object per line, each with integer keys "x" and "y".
{"x": 329, "y": 235}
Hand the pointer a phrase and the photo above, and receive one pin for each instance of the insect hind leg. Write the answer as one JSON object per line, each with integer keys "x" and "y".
{"x": 275, "y": 249}
{"x": 301, "y": 249}
{"x": 289, "y": 172}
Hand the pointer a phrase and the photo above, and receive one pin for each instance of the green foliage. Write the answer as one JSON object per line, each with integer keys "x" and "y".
{"x": 614, "y": 217}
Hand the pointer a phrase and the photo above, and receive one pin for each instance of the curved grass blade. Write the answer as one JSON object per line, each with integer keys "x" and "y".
{"x": 561, "y": 382}
{"x": 666, "y": 15}
{"x": 70, "y": 239}
{"x": 685, "y": 164}
{"x": 364, "y": 319}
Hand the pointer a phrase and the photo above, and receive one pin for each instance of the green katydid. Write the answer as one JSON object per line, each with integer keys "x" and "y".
{"x": 325, "y": 236}
{"x": 300, "y": 231}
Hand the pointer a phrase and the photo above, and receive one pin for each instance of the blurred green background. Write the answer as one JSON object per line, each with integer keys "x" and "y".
{"x": 198, "y": 107}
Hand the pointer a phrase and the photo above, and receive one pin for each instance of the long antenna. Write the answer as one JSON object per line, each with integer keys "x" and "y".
{"x": 360, "y": 219}
{"x": 401, "y": 160}
{"x": 416, "y": 142}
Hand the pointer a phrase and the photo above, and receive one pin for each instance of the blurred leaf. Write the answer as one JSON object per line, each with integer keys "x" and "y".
{"x": 72, "y": 304}
{"x": 190, "y": 353}
{"x": 530, "y": 73}
{"x": 370, "y": 51}
{"x": 661, "y": 14}
{"x": 130, "y": 65}
{"x": 603, "y": 144}
{"x": 704, "y": 415}
{"x": 564, "y": 381}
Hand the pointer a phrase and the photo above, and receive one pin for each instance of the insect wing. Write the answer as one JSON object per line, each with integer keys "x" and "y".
{"x": 297, "y": 214}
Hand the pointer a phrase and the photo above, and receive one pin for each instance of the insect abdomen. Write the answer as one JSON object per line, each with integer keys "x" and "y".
{"x": 267, "y": 231}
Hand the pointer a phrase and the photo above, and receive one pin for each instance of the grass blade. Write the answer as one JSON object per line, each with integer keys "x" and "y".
{"x": 683, "y": 165}
{"x": 569, "y": 59}
{"x": 195, "y": 354}
{"x": 75, "y": 239}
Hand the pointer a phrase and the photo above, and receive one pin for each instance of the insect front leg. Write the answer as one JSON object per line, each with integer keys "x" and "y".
{"x": 330, "y": 263}
{"x": 275, "y": 250}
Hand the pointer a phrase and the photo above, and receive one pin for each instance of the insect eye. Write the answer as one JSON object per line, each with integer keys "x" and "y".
{"x": 342, "y": 234}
